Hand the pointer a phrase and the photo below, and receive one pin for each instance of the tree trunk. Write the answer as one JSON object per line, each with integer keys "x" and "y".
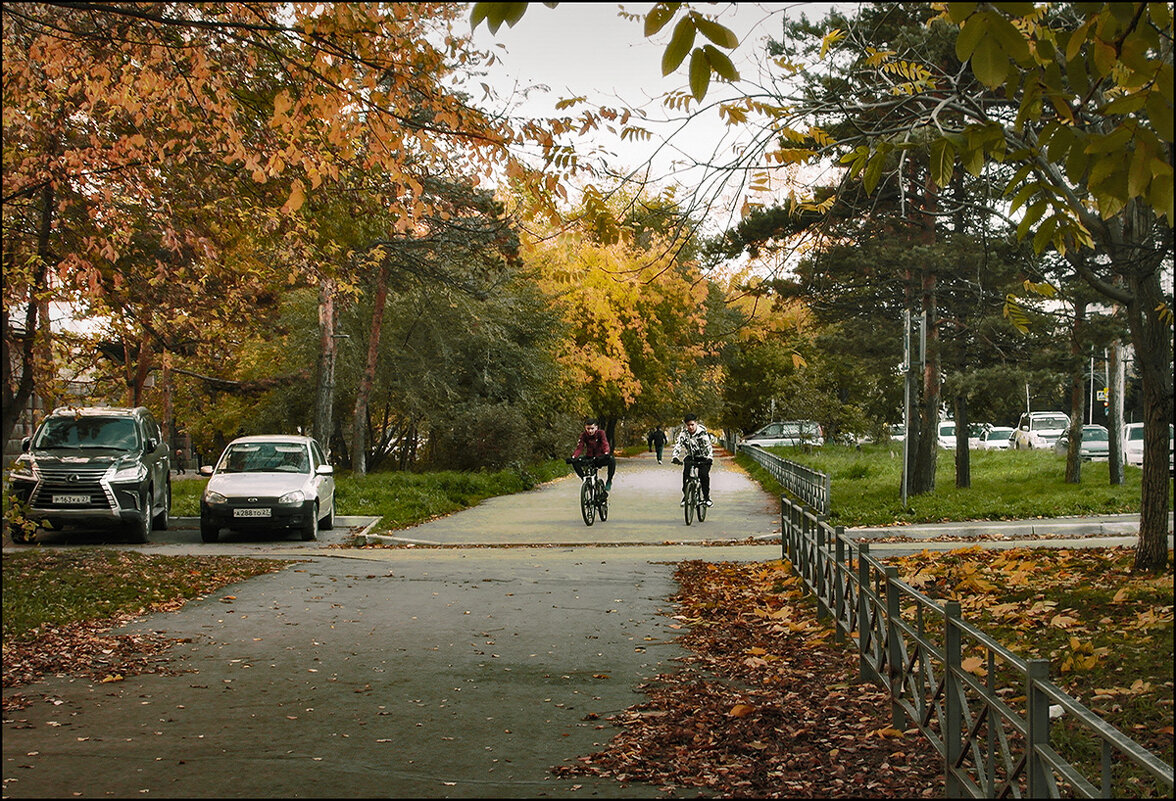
{"x": 16, "y": 401}
{"x": 1152, "y": 338}
{"x": 1115, "y": 387}
{"x": 927, "y": 448}
{"x": 325, "y": 390}
{"x": 363, "y": 393}
{"x": 1077, "y": 397}
{"x": 923, "y": 475}
{"x": 963, "y": 459}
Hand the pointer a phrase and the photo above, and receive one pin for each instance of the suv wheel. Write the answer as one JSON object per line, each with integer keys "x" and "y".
{"x": 140, "y": 529}
{"x": 159, "y": 522}
{"x": 19, "y": 535}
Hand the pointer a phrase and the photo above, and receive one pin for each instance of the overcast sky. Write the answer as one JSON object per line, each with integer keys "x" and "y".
{"x": 586, "y": 49}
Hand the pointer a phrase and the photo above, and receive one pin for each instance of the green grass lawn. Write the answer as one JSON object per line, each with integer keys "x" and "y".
{"x": 865, "y": 486}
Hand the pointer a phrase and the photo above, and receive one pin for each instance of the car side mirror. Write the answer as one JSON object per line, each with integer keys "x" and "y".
{"x": 206, "y": 470}
{"x": 24, "y": 444}
{"x": 324, "y": 470}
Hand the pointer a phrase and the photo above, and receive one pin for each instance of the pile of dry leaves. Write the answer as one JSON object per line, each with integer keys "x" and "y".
{"x": 82, "y": 649}
{"x": 766, "y": 705}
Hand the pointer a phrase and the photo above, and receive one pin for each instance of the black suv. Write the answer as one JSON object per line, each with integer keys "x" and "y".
{"x": 94, "y": 468}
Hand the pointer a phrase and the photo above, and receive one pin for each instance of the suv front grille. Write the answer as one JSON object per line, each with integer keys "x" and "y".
{"x": 73, "y": 480}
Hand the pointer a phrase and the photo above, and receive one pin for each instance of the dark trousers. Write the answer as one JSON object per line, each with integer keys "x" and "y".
{"x": 704, "y": 467}
{"x": 599, "y": 461}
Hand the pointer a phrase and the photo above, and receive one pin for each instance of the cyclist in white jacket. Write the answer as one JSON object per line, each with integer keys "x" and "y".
{"x": 694, "y": 446}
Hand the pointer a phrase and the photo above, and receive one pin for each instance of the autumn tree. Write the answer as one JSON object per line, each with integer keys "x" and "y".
{"x": 636, "y": 313}
{"x": 164, "y": 123}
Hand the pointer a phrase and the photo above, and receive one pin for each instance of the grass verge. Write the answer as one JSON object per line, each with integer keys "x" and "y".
{"x": 1106, "y": 632}
{"x": 1006, "y": 485}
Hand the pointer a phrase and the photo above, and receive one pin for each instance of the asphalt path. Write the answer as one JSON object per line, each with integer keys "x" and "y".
{"x": 407, "y": 672}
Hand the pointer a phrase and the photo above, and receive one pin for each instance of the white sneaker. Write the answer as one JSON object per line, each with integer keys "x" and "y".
{"x": 708, "y": 502}
{"x": 683, "y": 503}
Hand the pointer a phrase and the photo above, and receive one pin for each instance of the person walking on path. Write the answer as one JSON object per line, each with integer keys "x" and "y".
{"x": 657, "y": 441}
{"x": 694, "y": 447}
{"x": 594, "y": 444}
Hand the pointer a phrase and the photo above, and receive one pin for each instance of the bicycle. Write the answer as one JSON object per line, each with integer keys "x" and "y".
{"x": 695, "y": 503}
{"x": 593, "y": 498}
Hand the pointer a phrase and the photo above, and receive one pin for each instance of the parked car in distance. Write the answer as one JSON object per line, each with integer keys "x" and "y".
{"x": 1096, "y": 444}
{"x": 94, "y": 467}
{"x": 266, "y": 482}
{"x": 1133, "y": 445}
{"x": 996, "y": 438}
{"x": 947, "y": 434}
{"x": 1040, "y": 429}
{"x": 792, "y": 432}
{"x": 898, "y": 432}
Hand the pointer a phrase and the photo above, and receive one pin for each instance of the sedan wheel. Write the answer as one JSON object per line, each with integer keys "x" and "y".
{"x": 328, "y": 522}
{"x": 208, "y": 531}
{"x": 308, "y": 529}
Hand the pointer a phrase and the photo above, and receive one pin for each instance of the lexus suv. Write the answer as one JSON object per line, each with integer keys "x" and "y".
{"x": 1040, "y": 430}
{"x": 94, "y": 468}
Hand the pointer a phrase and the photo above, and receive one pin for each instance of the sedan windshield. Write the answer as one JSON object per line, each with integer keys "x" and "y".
{"x": 265, "y": 457}
{"x": 116, "y": 433}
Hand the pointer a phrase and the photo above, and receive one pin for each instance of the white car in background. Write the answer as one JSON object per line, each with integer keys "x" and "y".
{"x": 1039, "y": 430}
{"x": 1133, "y": 445}
{"x": 947, "y": 434}
{"x": 996, "y": 438}
{"x": 791, "y": 433}
{"x": 1095, "y": 446}
{"x": 268, "y": 482}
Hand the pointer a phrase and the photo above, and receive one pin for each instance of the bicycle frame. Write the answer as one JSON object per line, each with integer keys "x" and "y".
{"x": 593, "y": 498}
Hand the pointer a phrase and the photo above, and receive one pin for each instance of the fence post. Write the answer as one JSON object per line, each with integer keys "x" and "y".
{"x": 838, "y": 585}
{"x": 894, "y": 648}
{"x": 952, "y": 734}
{"x": 822, "y": 562}
{"x": 828, "y": 491}
{"x": 1037, "y": 729}
{"x": 865, "y": 670}
{"x": 785, "y": 510}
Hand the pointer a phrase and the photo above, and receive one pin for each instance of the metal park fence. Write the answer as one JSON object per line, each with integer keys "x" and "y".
{"x": 810, "y": 486}
{"x": 1002, "y": 727}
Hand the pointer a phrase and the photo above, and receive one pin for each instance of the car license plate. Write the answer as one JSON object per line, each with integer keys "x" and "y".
{"x": 70, "y": 499}
{"x": 251, "y": 513}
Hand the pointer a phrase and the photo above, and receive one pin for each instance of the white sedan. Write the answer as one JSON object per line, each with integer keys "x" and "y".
{"x": 996, "y": 438}
{"x": 267, "y": 482}
{"x": 1133, "y": 444}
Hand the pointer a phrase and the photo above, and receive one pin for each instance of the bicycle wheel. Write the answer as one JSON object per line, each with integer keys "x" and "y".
{"x": 602, "y": 508}
{"x": 691, "y": 500}
{"x": 701, "y": 506}
{"x": 587, "y": 502}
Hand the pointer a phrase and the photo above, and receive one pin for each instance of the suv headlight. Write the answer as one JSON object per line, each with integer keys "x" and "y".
{"x": 292, "y": 498}
{"x": 133, "y": 472}
{"x": 214, "y": 497}
{"x": 22, "y": 470}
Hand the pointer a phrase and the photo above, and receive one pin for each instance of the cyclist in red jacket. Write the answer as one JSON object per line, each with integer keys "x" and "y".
{"x": 594, "y": 445}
